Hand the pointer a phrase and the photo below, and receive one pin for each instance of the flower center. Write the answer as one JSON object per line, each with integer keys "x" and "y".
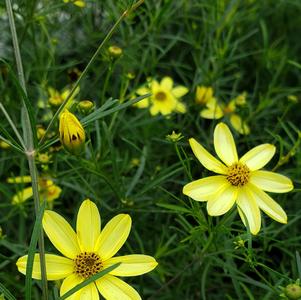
{"x": 238, "y": 174}
{"x": 87, "y": 264}
{"x": 160, "y": 96}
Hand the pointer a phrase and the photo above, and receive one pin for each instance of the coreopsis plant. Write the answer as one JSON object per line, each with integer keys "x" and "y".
{"x": 72, "y": 133}
{"x": 240, "y": 181}
{"x": 165, "y": 97}
{"x": 88, "y": 251}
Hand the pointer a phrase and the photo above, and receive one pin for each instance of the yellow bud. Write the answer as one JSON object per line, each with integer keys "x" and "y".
{"x": 4, "y": 145}
{"x": 40, "y": 132}
{"x": 72, "y": 133}
{"x": 85, "y": 107}
{"x": 115, "y": 51}
{"x": 174, "y": 137}
{"x": 293, "y": 291}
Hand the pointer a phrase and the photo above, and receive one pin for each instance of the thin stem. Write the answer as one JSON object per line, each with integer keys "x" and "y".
{"x": 29, "y": 145}
{"x": 107, "y": 37}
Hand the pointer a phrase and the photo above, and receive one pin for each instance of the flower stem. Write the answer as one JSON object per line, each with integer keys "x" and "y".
{"x": 29, "y": 145}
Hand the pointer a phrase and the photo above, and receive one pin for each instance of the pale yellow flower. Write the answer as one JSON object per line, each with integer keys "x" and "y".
{"x": 240, "y": 182}
{"x": 47, "y": 189}
{"x": 165, "y": 97}
{"x": 216, "y": 110}
{"x": 72, "y": 133}
{"x": 88, "y": 251}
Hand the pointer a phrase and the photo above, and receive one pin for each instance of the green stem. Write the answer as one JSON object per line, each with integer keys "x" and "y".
{"x": 107, "y": 37}
{"x": 29, "y": 145}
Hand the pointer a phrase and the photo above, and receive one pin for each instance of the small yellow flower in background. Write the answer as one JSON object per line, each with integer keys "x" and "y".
{"x": 4, "y": 145}
{"x": 88, "y": 251}
{"x": 115, "y": 51}
{"x": 85, "y": 107}
{"x": 292, "y": 98}
{"x": 56, "y": 98}
{"x": 72, "y": 133}
{"x": 203, "y": 94}
{"x": 79, "y": 3}
{"x": 44, "y": 158}
{"x": 240, "y": 181}
{"x": 174, "y": 137}
{"x": 216, "y": 110}
{"x": 40, "y": 131}
{"x": 47, "y": 189}
{"x": 165, "y": 97}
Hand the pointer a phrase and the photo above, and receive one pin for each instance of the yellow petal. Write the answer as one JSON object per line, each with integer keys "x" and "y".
{"x": 61, "y": 234}
{"x": 19, "y": 179}
{"x": 142, "y": 91}
{"x": 131, "y": 265}
{"x": 212, "y": 114}
{"x": 88, "y": 225}
{"x": 57, "y": 267}
{"x": 166, "y": 83}
{"x": 224, "y": 144}
{"x": 205, "y": 188}
{"x": 268, "y": 205}
{"x": 206, "y": 159}
{"x": 203, "y": 94}
{"x": 81, "y": 4}
{"x": 239, "y": 125}
{"x": 112, "y": 288}
{"x": 258, "y": 157}
{"x": 22, "y": 195}
{"x": 70, "y": 282}
{"x": 223, "y": 201}
{"x": 180, "y": 107}
{"x": 144, "y": 103}
{"x": 89, "y": 292}
{"x": 113, "y": 236}
{"x": 249, "y": 210}
{"x": 271, "y": 182}
{"x": 180, "y": 91}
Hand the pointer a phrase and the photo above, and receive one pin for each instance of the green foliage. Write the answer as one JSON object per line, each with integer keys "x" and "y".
{"x": 128, "y": 165}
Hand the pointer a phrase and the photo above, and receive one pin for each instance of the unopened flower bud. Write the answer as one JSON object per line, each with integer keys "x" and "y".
{"x": 72, "y": 133}
{"x": 115, "y": 51}
{"x": 293, "y": 291}
{"x": 85, "y": 107}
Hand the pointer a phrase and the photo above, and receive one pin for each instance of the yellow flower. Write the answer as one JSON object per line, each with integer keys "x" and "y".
{"x": 88, "y": 251}
{"x": 72, "y": 133}
{"x": 115, "y": 51}
{"x": 214, "y": 110}
{"x": 165, "y": 97}
{"x": 240, "y": 181}
{"x": 85, "y": 107}
{"x": 79, "y": 3}
{"x": 203, "y": 94}
{"x": 56, "y": 98}
{"x": 47, "y": 189}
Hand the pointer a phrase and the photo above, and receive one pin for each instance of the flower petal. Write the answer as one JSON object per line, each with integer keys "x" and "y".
{"x": 239, "y": 125}
{"x": 69, "y": 283}
{"x": 57, "y": 267}
{"x": 142, "y": 90}
{"x": 206, "y": 159}
{"x": 258, "y": 156}
{"x": 249, "y": 210}
{"x": 223, "y": 201}
{"x": 180, "y": 107}
{"x": 224, "y": 144}
{"x": 180, "y": 91}
{"x": 212, "y": 114}
{"x": 202, "y": 189}
{"x": 268, "y": 205}
{"x": 112, "y": 287}
{"x": 22, "y": 195}
{"x": 61, "y": 234}
{"x": 89, "y": 292}
{"x": 271, "y": 182}
{"x": 88, "y": 225}
{"x": 113, "y": 236}
{"x": 166, "y": 83}
{"x": 132, "y": 265}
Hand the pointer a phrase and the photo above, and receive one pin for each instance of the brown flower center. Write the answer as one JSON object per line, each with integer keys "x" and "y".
{"x": 87, "y": 264}
{"x": 238, "y": 174}
{"x": 160, "y": 96}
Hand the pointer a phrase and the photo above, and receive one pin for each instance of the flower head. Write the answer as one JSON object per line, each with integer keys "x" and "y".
{"x": 88, "y": 251}
{"x": 165, "y": 97}
{"x": 56, "y": 98}
{"x": 239, "y": 181}
{"x": 85, "y": 107}
{"x": 72, "y": 133}
{"x": 216, "y": 110}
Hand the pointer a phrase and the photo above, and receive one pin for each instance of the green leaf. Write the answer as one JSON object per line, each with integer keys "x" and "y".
{"x": 6, "y": 292}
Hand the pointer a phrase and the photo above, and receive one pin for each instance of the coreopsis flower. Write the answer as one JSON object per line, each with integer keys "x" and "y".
{"x": 216, "y": 110}
{"x": 88, "y": 251}
{"x": 240, "y": 181}
{"x": 165, "y": 97}
{"x": 47, "y": 189}
{"x": 79, "y": 3}
{"x": 56, "y": 98}
{"x": 203, "y": 94}
{"x": 72, "y": 133}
